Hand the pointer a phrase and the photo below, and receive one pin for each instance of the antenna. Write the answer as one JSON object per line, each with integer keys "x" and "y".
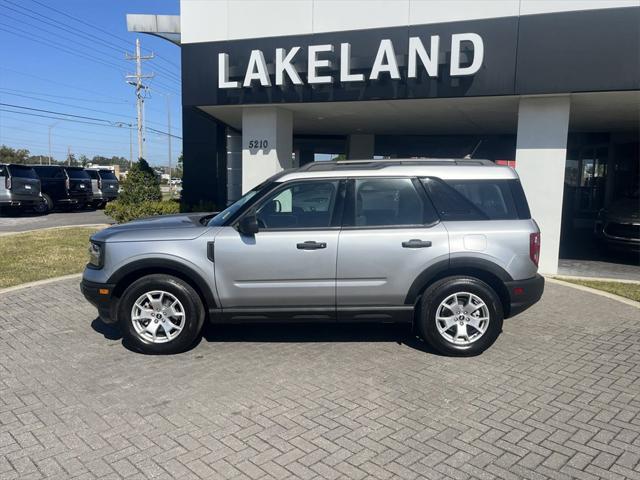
{"x": 468, "y": 156}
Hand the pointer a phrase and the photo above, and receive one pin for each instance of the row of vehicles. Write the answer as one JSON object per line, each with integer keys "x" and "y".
{"x": 45, "y": 187}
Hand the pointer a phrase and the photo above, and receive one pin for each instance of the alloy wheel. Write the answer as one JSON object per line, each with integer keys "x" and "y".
{"x": 158, "y": 316}
{"x": 462, "y": 318}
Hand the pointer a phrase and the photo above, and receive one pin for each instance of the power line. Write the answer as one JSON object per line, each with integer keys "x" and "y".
{"x": 74, "y": 30}
{"x": 75, "y": 106}
{"x": 111, "y": 34}
{"x": 83, "y": 117}
{"x": 10, "y": 91}
{"x": 49, "y": 43}
{"x": 94, "y": 92}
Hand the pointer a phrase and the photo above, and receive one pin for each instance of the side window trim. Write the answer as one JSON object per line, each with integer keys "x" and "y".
{"x": 350, "y": 206}
{"x": 279, "y": 187}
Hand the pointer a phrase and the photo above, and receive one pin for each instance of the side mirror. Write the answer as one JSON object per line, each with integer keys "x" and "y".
{"x": 248, "y": 225}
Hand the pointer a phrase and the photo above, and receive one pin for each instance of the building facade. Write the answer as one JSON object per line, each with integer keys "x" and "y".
{"x": 553, "y": 87}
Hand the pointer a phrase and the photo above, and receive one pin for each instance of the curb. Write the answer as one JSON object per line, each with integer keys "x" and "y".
{"x": 611, "y": 296}
{"x": 43, "y": 229}
{"x": 39, "y": 283}
{"x": 596, "y": 279}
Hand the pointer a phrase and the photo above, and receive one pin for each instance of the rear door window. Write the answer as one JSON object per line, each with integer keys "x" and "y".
{"x": 388, "y": 202}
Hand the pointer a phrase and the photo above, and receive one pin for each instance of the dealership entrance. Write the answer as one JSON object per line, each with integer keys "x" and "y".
{"x": 553, "y": 86}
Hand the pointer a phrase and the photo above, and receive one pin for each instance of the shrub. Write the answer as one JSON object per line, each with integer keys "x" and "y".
{"x": 141, "y": 185}
{"x": 125, "y": 212}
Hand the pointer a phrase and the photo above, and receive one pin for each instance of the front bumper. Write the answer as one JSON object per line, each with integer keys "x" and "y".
{"x": 100, "y": 295}
{"x": 524, "y": 293}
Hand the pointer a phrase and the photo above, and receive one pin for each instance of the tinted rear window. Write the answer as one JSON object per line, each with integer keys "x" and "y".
{"x": 22, "y": 172}
{"x": 478, "y": 199}
{"x": 93, "y": 174}
{"x": 77, "y": 174}
{"x": 107, "y": 175}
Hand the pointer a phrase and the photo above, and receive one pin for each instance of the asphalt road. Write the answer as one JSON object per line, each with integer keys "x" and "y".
{"x": 557, "y": 396}
{"x": 20, "y": 223}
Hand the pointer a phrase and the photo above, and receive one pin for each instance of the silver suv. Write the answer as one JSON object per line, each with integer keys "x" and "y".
{"x": 448, "y": 246}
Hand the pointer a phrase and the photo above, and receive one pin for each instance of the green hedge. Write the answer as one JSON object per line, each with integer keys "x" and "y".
{"x": 125, "y": 212}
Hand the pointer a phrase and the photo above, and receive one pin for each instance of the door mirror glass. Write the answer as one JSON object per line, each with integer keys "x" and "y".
{"x": 248, "y": 225}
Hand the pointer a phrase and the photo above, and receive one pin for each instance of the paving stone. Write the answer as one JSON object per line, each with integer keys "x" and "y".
{"x": 556, "y": 397}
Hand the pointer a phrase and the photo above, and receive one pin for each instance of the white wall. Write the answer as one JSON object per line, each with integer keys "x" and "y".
{"x": 215, "y": 20}
{"x": 541, "y": 152}
{"x": 275, "y": 126}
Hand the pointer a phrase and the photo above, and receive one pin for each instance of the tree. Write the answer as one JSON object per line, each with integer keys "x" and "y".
{"x": 177, "y": 173}
{"x": 12, "y": 155}
{"x": 83, "y": 160}
{"x": 141, "y": 185}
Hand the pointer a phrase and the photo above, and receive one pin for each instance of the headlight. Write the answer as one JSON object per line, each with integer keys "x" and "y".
{"x": 96, "y": 254}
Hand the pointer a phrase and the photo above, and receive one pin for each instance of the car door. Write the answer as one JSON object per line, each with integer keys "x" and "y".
{"x": 390, "y": 235}
{"x": 289, "y": 266}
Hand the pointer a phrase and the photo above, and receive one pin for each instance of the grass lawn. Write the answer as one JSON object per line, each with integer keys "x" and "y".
{"x": 627, "y": 290}
{"x": 27, "y": 257}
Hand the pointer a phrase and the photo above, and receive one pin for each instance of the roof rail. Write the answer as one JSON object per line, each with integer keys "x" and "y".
{"x": 382, "y": 163}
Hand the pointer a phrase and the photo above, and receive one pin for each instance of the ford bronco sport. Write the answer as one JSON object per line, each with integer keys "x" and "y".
{"x": 446, "y": 245}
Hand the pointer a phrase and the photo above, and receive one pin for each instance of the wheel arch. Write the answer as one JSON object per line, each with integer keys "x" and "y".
{"x": 488, "y": 272}
{"x": 126, "y": 275}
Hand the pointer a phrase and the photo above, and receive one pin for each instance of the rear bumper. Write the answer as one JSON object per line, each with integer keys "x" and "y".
{"x": 20, "y": 200}
{"x": 100, "y": 295}
{"x": 524, "y": 293}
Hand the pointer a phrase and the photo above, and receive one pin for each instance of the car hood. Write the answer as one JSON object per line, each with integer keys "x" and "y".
{"x": 626, "y": 210}
{"x": 185, "y": 226}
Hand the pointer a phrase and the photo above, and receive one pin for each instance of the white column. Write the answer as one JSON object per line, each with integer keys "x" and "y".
{"x": 360, "y": 147}
{"x": 541, "y": 152}
{"x": 267, "y": 143}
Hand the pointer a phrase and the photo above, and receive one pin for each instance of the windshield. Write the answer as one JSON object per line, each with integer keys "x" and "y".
{"x": 224, "y": 215}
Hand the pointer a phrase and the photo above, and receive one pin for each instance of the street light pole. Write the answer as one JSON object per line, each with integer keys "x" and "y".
{"x": 50, "y": 127}
{"x": 169, "y": 139}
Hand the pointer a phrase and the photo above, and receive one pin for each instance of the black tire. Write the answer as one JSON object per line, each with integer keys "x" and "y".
{"x": 45, "y": 206}
{"x": 439, "y": 292}
{"x": 193, "y": 314}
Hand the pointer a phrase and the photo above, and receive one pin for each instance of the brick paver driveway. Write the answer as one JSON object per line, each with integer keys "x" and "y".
{"x": 557, "y": 396}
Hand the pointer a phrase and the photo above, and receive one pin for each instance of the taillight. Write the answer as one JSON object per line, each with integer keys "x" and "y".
{"x": 534, "y": 247}
{"x": 7, "y": 182}
{"x": 99, "y": 184}
{"x": 67, "y": 185}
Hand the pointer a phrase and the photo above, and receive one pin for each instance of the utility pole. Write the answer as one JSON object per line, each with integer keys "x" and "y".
{"x": 69, "y": 155}
{"x": 136, "y": 81}
{"x": 169, "y": 140}
{"x": 130, "y": 146}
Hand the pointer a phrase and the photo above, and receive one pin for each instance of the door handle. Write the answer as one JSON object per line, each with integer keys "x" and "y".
{"x": 311, "y": 245}
{"x": 416, "y": 243}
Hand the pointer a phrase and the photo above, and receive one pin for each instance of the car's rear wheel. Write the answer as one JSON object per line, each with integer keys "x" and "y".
{"x": 45, "y": 206}
{"x": 460, "y": 316}
{"x": 160, "y": 314}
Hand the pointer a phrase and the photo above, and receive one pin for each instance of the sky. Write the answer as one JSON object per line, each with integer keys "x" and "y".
{"x": 68, "y": 57}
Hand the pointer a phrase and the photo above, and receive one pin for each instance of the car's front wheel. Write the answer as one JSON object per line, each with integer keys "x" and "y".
{"x": 460, "y": 316}
{"x": 160, "y": 314}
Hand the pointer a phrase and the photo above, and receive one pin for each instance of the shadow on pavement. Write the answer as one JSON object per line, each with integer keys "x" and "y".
{"x": 294, "y": 333}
